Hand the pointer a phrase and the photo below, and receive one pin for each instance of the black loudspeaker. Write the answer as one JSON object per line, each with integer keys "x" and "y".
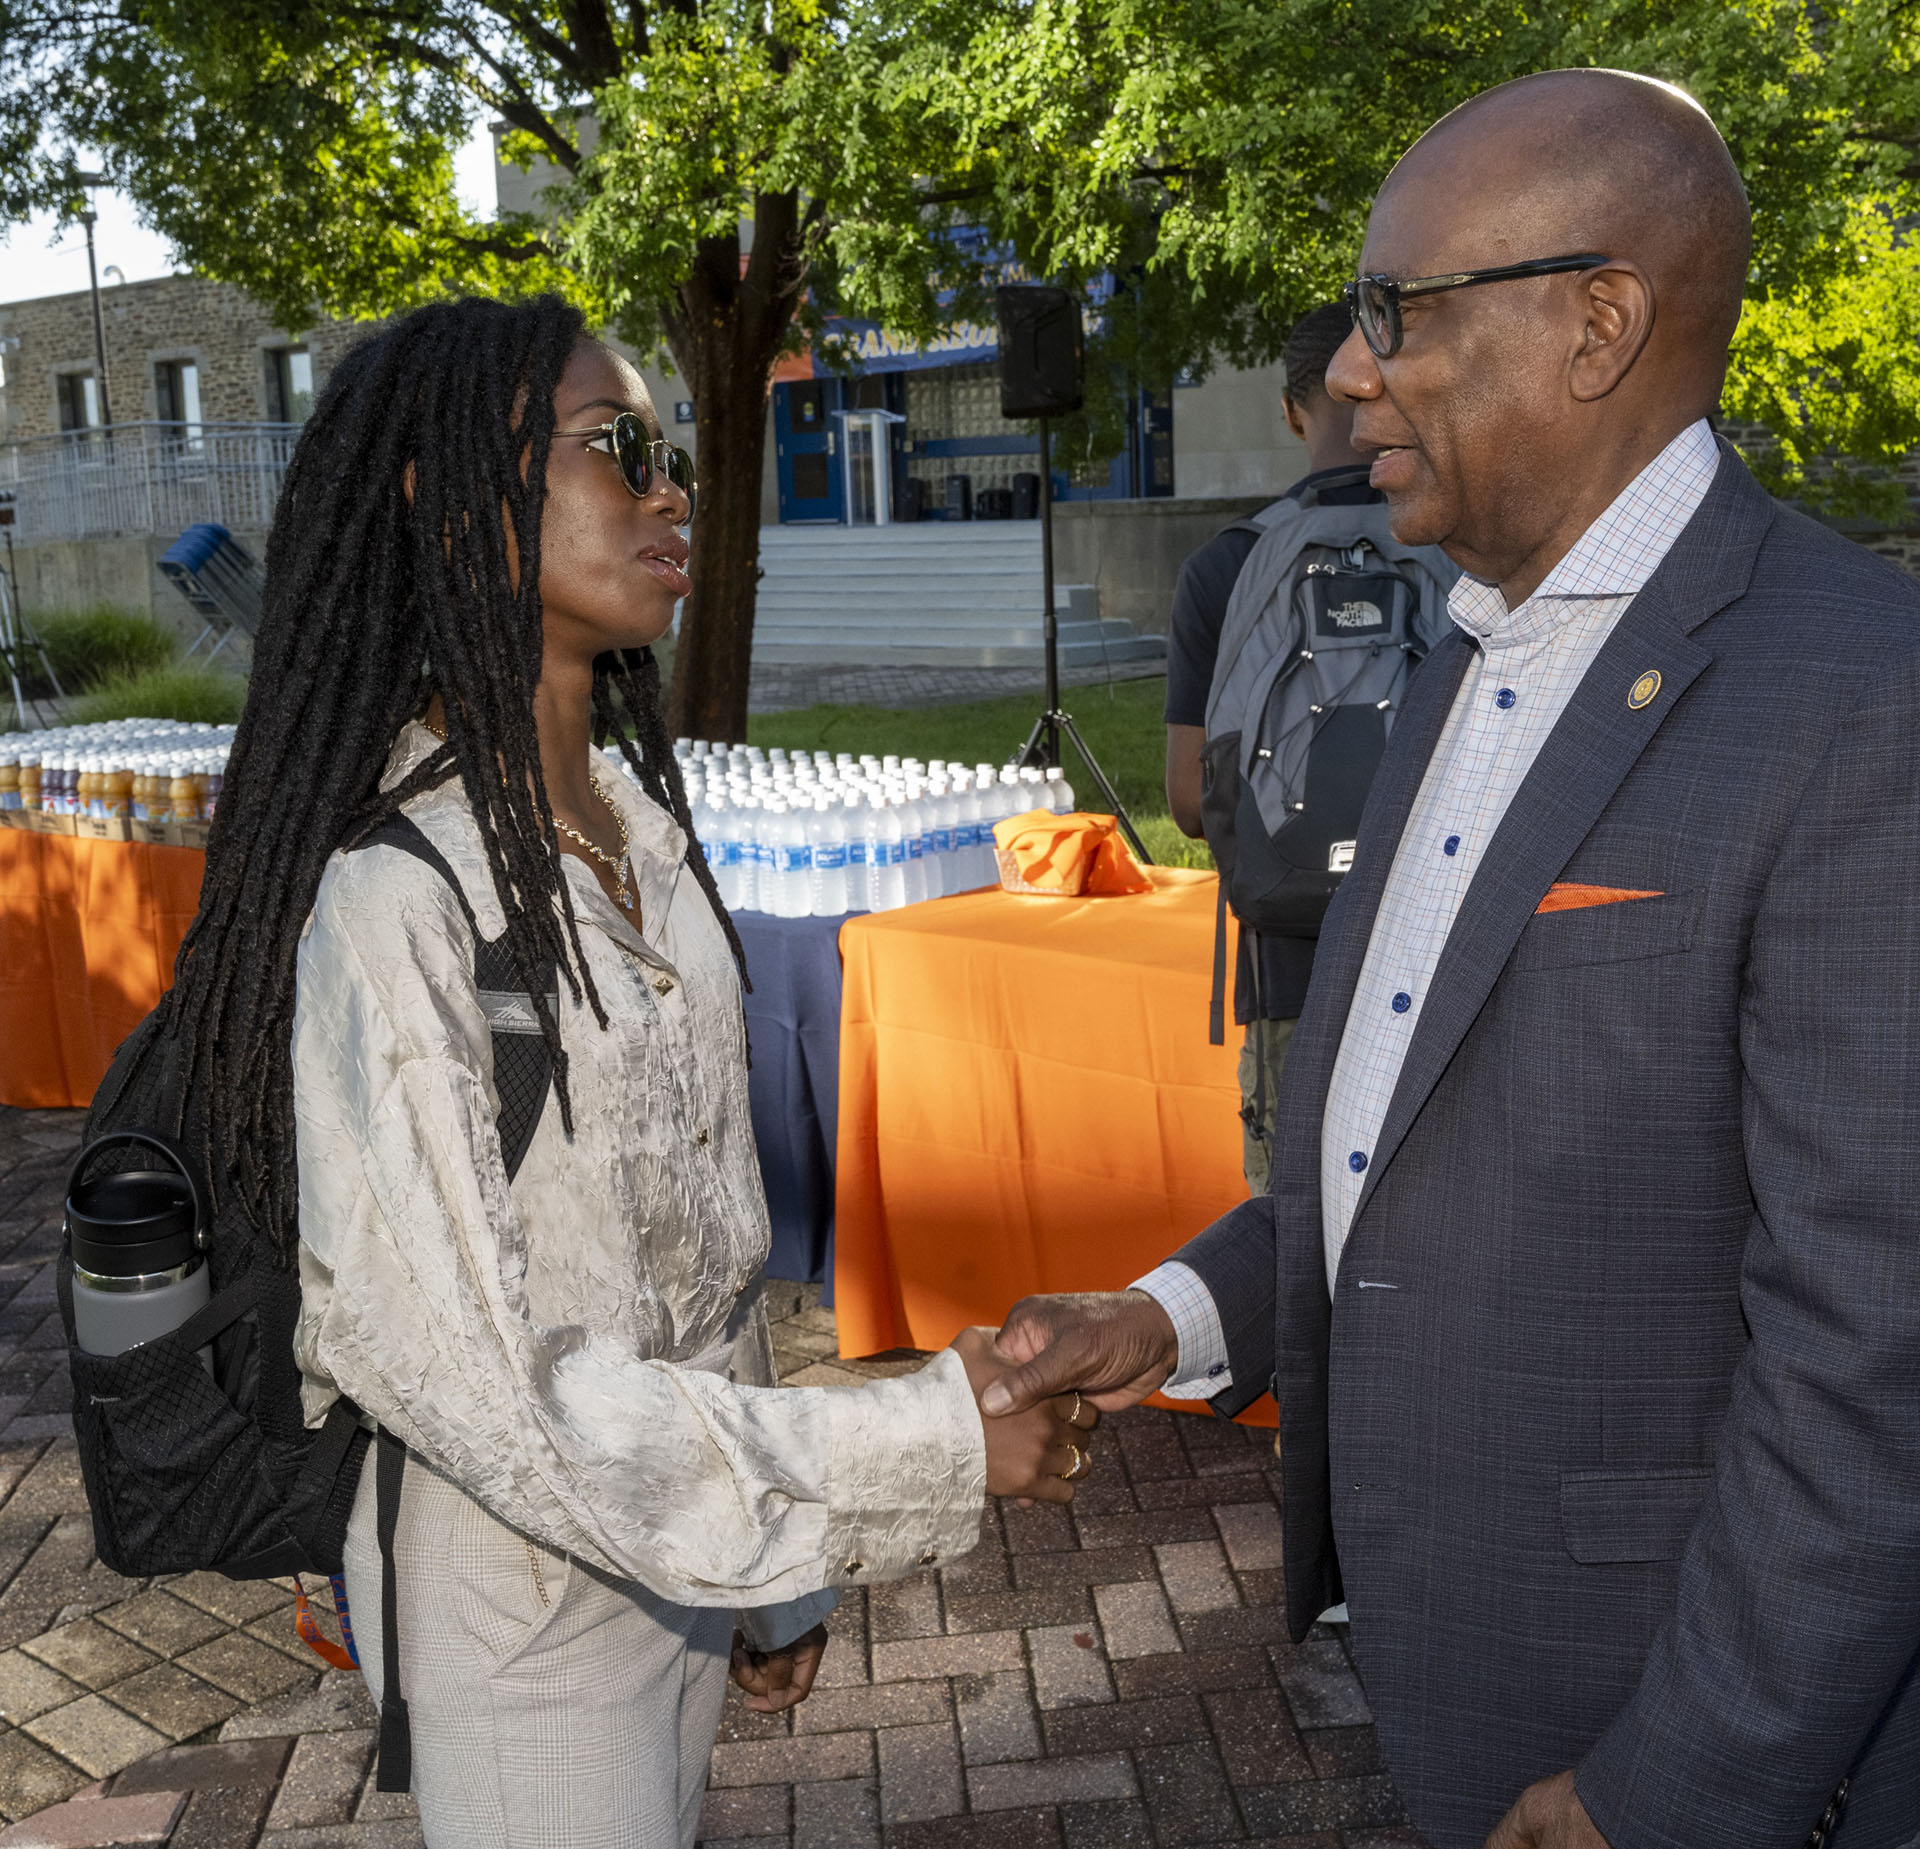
{"x": 994, "y": 504}
{"x": 913, "y": 499}
{"x": 1042, "y": 352}
{"x": 959, "y": 497}
{"x": 1026, "y": 496}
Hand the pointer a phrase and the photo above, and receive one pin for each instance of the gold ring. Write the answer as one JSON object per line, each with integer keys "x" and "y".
{"x": 1073, "y": 1418}
{"x": 1082, "y": 1462}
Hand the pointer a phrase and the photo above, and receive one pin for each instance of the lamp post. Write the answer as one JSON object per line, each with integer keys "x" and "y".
{"x": 93, "y": 282}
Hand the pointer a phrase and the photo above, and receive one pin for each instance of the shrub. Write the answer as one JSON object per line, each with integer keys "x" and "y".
{"x": 208, "y": 695}
{"x": 87, "y": 647}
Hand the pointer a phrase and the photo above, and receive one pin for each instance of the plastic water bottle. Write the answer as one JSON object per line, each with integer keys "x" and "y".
{"x": 827, "y": 838}
{"x": 792, "y": 862}
{"x": 720, "y": 837}
{"x": 913, "y": 842}
{"x": 700, "y": 814}
{"x": 1059, "y": 792}
{"x": 853, "y": 819}
{"x": 946, "y": 840}
{"x": 757, "y": 858}
{"x": 886, "y": 857}
{"x": 973, "y": 840}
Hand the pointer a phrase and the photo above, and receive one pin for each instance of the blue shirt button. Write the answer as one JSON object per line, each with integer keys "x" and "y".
{"x": 1218, "y": 1368}
{"x": 1504, "y": 698}
{"x": 1451, "y": 845}
{"x": 1357, "y": 1161}
{"x": 1402, "y": 1002}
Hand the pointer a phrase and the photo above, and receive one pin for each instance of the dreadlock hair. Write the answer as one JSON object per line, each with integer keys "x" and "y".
{"x": 388, "y": 580}
{"x": 1311, "y": 344}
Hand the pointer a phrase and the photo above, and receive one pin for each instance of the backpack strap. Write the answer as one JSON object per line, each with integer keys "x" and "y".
{"x": 396, "y": 1729}
{"x": 1217, "y": 1003}
{"x": 522, "y": 1080}
{"x": 522, "y": 1061}
{"x": 1355, "y": 475}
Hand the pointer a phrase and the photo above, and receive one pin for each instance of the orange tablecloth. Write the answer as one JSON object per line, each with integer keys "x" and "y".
{"x": 88, "y": 932}
{"x": 1027, "y": 1103}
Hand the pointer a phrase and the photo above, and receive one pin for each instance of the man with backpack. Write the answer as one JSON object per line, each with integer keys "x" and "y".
{"x": 1251, "y": 720}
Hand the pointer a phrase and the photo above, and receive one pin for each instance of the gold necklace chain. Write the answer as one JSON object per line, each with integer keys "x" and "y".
{"x": 621, "y": 863}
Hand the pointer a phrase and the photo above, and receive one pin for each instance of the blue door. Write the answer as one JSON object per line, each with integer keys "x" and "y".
{"x": 807, "y": 451}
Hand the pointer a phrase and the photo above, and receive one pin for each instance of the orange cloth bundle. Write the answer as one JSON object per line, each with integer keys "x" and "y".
{"x": 1066, "y": 856}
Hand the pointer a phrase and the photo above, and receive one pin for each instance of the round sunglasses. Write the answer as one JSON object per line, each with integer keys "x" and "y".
{"x": 643, "y": 459}
{"x": 1374, "y": 301}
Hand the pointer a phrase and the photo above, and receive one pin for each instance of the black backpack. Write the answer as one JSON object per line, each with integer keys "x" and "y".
{"x": 188, "y": 1468}
{"x": 1329, "y": 617}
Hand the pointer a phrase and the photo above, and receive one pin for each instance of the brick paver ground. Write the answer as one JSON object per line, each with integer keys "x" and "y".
{"x": 1117, "y": 1677}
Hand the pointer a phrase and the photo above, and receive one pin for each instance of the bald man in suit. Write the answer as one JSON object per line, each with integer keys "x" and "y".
{"x": 1589, "y": 1281}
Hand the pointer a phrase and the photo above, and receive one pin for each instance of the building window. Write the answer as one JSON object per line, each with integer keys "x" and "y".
{"x": 289, "y": 384}
{"x": 176, "y": 396}
{"x": 79, "y": 399}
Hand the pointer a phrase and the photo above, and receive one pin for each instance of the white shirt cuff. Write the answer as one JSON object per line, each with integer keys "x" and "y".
{"x": 1202, "y": 1369}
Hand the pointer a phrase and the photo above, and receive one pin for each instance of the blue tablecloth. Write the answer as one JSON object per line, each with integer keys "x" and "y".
{"x": 793, "y": 1024}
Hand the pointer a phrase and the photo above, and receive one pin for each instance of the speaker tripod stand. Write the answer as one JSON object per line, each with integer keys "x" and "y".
{"x": 19, "y": 643}
{"x": 1042, "y": 749}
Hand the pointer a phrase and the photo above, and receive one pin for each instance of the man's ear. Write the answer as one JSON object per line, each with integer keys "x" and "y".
{"x": 408, "y": 476}
{"x": 1295, "y": 422}
{"x": 1617, "y": 320}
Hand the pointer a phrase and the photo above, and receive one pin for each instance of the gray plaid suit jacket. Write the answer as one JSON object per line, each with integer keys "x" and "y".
{"x": 1618, "y": 1459}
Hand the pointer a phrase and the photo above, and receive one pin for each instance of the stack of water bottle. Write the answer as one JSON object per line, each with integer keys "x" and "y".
{"x": 798, "y": 835}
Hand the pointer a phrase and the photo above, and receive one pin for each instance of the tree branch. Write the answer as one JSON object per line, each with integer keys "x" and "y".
{"x": 541, "y": 38}
{"x": 591, "y": 29}
{"x": 517, "y": 106}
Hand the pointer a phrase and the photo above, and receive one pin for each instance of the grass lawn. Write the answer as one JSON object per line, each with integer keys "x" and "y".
{"x": 1121, "y": 723}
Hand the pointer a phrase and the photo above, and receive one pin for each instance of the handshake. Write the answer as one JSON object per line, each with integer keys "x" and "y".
{"x": 1041, "y": 1385}
{"x": 1043, "y": 1381}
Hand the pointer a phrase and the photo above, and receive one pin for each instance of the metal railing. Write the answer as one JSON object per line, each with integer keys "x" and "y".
{"x": 145, "y": 478}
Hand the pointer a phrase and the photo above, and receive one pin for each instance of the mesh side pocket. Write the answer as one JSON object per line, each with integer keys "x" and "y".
{"x": 177, "y": 1479}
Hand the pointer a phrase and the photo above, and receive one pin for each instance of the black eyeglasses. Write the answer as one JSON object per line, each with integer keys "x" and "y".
{"x": 643, "y": 460}
{"x": 1374, "y": 301}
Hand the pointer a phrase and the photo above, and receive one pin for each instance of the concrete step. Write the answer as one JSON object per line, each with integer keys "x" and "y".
{"x": 1021, "y": 633}
{"x": 905, "y": 613}
{"x": 915, "y": 653}
{"x": 929, "y": 594}
{"x": 903, "y": 606}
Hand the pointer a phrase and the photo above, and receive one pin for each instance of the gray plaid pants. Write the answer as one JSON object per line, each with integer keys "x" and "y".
{"x": 553, "y": 1706}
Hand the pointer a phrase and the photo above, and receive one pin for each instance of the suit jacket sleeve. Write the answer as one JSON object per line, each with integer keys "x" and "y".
{"x": 1796, "y": 1617}
{"x": 1234, "y": 1258}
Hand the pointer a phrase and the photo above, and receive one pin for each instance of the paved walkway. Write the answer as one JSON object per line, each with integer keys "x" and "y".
{"x": 1114, "y": 1678}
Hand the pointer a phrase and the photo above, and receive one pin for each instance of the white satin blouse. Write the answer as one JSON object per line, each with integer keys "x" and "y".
{"x": 584, "y": 1350}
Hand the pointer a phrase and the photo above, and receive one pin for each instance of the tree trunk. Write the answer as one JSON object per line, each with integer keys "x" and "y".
{"x": 725, "y": 335}
{"x": 714, "y": 658}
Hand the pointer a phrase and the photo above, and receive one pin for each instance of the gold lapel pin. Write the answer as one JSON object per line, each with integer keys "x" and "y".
{"x": 1644, "y": 689}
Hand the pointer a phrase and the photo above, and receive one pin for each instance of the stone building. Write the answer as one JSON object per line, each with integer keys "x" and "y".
{"x": 180, "y": 350}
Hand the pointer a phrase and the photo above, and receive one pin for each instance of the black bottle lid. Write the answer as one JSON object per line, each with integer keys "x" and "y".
{"x": 132, "y": 1222}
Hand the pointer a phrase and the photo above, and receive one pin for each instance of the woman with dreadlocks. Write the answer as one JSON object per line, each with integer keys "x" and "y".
{"x": 478, "y": 537}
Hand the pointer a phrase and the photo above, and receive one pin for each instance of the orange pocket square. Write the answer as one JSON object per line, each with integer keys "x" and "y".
{"x": 1564, "y": 897}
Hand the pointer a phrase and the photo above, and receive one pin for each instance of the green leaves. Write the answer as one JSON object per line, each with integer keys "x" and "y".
{"x": 778, "y": 160}
{"x": 1222, "y": 155}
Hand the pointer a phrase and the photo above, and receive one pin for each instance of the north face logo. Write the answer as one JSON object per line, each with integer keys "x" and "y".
{"x": 1355, "y": 616}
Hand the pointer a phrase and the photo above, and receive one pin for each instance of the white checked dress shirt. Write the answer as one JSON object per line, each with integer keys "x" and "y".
{"x": 1526, "y": 666}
